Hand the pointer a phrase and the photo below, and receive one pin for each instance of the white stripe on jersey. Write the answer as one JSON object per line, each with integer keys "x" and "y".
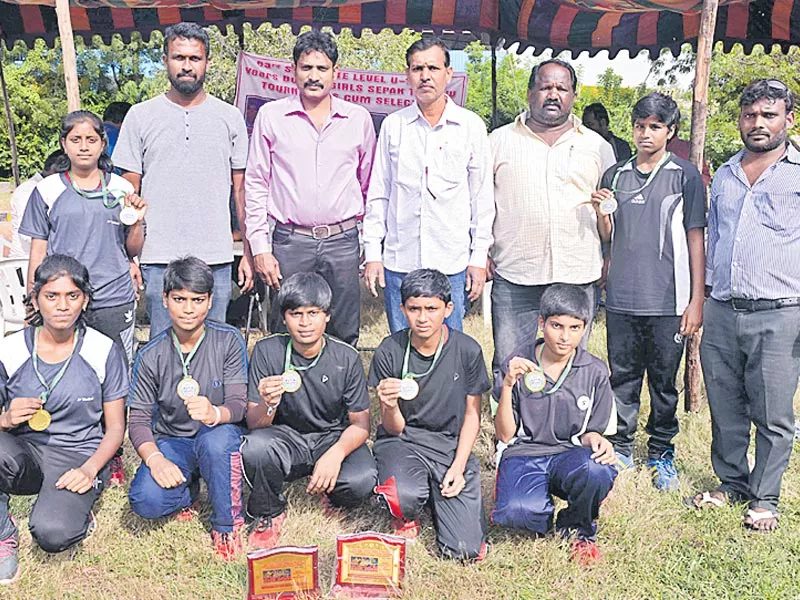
{"x": 95, "y": 350}
{"x": 14, "y": 352}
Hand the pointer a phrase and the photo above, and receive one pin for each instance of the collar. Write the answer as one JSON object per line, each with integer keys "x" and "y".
{"x": 451, "y": 114}
{"x": 791, "y": 155}
{"x": 294, "y": 106}
{"x": 577, "y": 124}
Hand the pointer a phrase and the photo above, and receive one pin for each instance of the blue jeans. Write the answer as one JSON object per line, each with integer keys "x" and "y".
{"x": 391, "y": 296}
{"x": 525, "y": 484}
{"x": 154, "y": 289}
{"x": 212, "y": 454}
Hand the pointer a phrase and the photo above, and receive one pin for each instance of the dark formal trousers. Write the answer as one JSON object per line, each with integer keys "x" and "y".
{"x": 751, "y": 363}
{"x": 639, "y": 345}
{"x": 278, "y": 454}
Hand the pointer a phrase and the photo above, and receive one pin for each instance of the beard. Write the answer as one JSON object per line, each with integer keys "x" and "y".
{"x": 187, "y": 87}
{"x": 771, "y": 144}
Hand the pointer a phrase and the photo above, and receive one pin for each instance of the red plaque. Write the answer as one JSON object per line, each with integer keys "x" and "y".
{"x": 283, "y": 573}
{"x": 369, "y": 565}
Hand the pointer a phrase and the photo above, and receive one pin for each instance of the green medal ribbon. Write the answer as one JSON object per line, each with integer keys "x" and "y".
{"x": 287, "y": 363}
{"x": 405, "y": 373}
{"x": 185, "y": 361}
{"x": 48, "y": 387}
{"x": 116, "y": 196}
{"x": 649, "y": 180}
{"x": 563, "y": 375}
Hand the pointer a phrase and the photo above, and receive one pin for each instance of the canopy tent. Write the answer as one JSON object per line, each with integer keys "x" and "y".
{"x": 577, "y": 25}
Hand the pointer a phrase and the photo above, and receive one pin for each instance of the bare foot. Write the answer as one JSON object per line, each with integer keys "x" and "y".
{"x": 765, "y": 524}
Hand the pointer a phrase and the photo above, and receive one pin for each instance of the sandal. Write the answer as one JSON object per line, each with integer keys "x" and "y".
{"x": 706, "y": 499}
{"x": 757, "y": 516}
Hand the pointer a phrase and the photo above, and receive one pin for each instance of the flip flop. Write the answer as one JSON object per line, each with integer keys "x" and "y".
{"x": 756, "y": 516}
{"x": 705, "y": 501}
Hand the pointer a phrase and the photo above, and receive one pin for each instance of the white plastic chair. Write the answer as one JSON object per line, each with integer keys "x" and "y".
{"x": 13, "y": 273}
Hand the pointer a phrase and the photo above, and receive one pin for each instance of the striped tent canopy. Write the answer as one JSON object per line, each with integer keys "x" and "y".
{"x": 577, "y": 25}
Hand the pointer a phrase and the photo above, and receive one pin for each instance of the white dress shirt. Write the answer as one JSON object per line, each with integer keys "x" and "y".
{"x": 430, "y": 199}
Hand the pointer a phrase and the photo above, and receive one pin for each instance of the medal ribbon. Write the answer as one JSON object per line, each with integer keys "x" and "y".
{"x": 287, "y": 363}
{"x": 185, "y": 361}
{"x": 563, "y": 375}
{"x": 104, "y": 193}
{"x": 649, "y": 180}
{"x": 48, "y": 387}
{"x": 405, "y": 373}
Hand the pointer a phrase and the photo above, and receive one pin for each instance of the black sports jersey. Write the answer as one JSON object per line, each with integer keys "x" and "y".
{"x": 442, "y": 400}
{"x": 553, "y": 423}
{"x": 331, "y": 389}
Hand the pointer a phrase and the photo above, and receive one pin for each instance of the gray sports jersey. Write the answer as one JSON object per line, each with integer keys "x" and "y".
{"x": 97, "y": 373}
{"x": 86, "y": 230}
{"x": 219, "y": 363}
{"x": 331, "y": 389}
{"x": 649, "y": 273}
{"x": 553, "y": 423}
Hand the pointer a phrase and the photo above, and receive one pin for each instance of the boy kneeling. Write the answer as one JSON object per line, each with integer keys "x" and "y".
{"x": 308, "y": 413}
{"x": 429, "y": 380}
{"x": 554, "y": 406}
{"x": 188, "y": 393}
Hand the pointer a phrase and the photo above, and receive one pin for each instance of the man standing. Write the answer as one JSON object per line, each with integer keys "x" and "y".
{"x": 184, "y": 149}
{"x": 546, "y": 166}
{"x": 595, "y": 117}
{"x": 430, "y": 198}
{"x": 309, "y": 167}
{"x": 750, "y": 349}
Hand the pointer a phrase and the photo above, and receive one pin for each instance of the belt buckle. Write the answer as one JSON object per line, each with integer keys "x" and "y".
{"x": 740, "y": 304}
{"x": 324, "y": 229}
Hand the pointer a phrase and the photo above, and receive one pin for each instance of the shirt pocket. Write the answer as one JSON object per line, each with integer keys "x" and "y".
{"x": 780, "y": 211}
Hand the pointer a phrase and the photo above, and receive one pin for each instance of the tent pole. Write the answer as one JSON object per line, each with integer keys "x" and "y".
{"x": 12, "y": 137}
{"x": 68, "y": 55}
{"x": 493, "y": 44}
{"x": 705, "y": 46}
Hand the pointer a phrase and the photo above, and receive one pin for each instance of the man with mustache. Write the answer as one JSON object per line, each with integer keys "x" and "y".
{"x": 546, "y": 166}
{"x": 308, "y": 172}
{"x": 750, "y": 349}
{"x": 430, "y": 198}
{"x": 182, "y": 151}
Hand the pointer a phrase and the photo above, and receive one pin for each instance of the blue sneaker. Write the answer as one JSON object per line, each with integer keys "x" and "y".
{"x": 9, "y": 559}
{"x": 623, "y": 461}
{"x": 665, "y": 476}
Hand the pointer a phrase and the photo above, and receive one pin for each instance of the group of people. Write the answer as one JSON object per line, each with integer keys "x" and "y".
{"x": 545, "y": 207}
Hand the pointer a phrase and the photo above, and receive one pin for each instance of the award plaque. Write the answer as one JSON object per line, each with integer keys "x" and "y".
{"x": 283, "y": 573}
{"x": 369, "y": 565}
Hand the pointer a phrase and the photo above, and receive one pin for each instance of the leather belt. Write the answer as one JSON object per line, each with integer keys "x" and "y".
{"x": 321, "y": 232}
{"x": 746, "y": 305}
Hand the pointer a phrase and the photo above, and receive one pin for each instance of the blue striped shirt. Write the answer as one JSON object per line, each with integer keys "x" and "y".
{"x": 754, "y": 231}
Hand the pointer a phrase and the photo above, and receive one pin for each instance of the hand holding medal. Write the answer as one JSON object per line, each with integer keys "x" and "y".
{"x": 409, "y": 388}
{"x": 133, "y": 210}
{"x": 271, "y": 391}
{"x": 20, "y": 410}
{"x": 532, "y": 375}
{"x": 604, "y": 202}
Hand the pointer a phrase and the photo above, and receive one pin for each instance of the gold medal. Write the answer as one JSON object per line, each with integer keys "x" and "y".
{"x": 535, "y": 380}
{"x": 128, "y": 216}
{"x": 608, "y": 206}
{"x": 188, "y": 388}
{"x": 409, "y": 388}
{"x": 291, "y": 380}
{"x": 40, "y": 420}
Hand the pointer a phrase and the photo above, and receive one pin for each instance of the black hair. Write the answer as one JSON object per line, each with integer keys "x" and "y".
{"x": 657, "y": 105}
{"x": 48, "y": 168}
{"x": 187, "y": 31}
{"x": 426, "y": 44}
{"x": 598, "y": 111}
{"x": 116, "y": 111}
{"x": 316, "y": 41}
{"x": 62, "y": 164}
{"x": 772, "y": 89}
{"x": 425, "y": 283}
{"x": 554, "y": 61}
{"x": 303, "y": 290}
{"x": 189, "y": 273}
{"x": 53, "y": 267}
{"x": 565, "y": 299}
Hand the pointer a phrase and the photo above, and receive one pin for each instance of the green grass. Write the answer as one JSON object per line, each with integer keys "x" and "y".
{"x": 654, "y": 547}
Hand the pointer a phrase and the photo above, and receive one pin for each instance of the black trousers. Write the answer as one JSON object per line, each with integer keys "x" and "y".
{"x": 410, "y": 476}
{"x": 278, "y": 454}
{"x": 639, "y": 345}
{"x": 336, "y": 260}
{"x": 59, "y": 518}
